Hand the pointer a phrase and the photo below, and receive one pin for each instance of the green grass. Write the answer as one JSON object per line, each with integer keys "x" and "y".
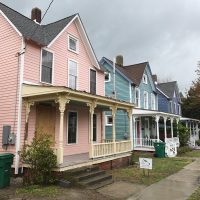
{"x": 162, "y": 167}
{"x": 39, "y": 191}
{"x": 192, "y": 154}
{"x": 195, "y": 195}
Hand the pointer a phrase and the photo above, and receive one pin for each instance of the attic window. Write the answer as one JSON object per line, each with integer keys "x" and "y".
{"x": 107, "y": 77}
{"x": 145, "y": 78}
{"x": 72, "y": 44}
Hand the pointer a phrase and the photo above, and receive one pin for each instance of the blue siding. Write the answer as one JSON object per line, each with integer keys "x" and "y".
{"x": 163, "y": 103}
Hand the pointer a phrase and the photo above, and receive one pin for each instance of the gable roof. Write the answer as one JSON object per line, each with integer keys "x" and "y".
{"x": 169, "y": 88}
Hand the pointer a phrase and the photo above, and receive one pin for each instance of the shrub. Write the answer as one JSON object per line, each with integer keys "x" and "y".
{"x": 183, "y": 150}
{"x": 41, "y": 159}
{"x": 198, "y": 142}
{"x": 184, "y": 135}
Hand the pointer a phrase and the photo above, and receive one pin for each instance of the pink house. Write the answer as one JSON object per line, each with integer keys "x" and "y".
{"x": 51, "y": 81}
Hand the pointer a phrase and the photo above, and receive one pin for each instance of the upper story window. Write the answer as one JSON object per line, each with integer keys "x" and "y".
{"x": 72, "y": 76}
{"x": 107, "y": 77}
{"x": 146, "y": 100}
{"x": 73, "y": 44}
{"x": 109, "y": 120}
{"x": 171, "y": 106}
{"x": 153, "y": 101}
{"x": 92, "y": 81}
{"x": 174, "y": 107}
{"x": 137, "y": 97}
{"x": 47, "y": 65}
{"x": 145, "y": 78}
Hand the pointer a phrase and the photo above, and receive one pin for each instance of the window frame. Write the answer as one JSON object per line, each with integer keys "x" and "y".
{"x": 106, "y": 119}
{"x": 77, "y": 43}
{"x": 153, "y": 101}
{"x": 95, "y": 81}
{"x": 71, "y": 60}
{"x": 68, "y": 127}
{"x": 145, "y": 79}
{"x": 137, "y": 89}
{"x": 147, "y": 100}
{"x": 109, "y": 77}
{"x": 41, "y": 65}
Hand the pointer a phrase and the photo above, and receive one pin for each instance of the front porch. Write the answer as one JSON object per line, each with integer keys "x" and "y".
{"x": 79, "y": 138}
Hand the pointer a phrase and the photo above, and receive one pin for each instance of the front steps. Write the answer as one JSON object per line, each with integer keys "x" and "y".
{"x": 92, "y": 177}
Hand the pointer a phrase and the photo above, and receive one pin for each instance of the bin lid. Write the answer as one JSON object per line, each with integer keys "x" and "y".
{"x": 6, "y": 155}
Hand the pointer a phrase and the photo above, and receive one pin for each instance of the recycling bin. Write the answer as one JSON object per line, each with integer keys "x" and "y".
{"x": 159, "y": 149}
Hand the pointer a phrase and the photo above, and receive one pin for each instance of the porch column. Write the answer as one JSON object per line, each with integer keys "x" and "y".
{"x": 114, "y": 110}
{"x": 134, "y": 132}
{"x": 62, "y": 100}
{"x": 130, "y": 127}
{"x": 92, "y": 106}
{"x": 172, "y": 131}
{"x": 28, "y": 105}
{"x": 190, "y": 129}
{"x": 157, "y": 127}
{"x": 177, "y": 121}
{"x": 165, "y": 127}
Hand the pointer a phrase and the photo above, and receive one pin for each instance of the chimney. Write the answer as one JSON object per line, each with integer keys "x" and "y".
{"x": 155, "y": 79}
{"x": 36, "y": 15}
{"x": 120, "y": 60}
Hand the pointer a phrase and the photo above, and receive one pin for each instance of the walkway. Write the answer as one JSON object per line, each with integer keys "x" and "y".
{"x": 178, "y": 186}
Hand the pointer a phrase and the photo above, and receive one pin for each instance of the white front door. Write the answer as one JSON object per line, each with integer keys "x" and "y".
{"x": 146, "y": 128}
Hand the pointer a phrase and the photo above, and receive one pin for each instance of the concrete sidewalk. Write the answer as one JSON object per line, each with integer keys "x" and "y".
{"x": 178, "y": 186}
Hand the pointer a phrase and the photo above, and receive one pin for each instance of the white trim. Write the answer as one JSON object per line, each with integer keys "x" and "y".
{"x": 137, "y": 89}
{"x": 77, "y": 43}
{"x": 77, "y": 85}
{"x": 68, "y": 144}
{"x": 153, "y": 101}
{"x": 146, "y": 119}
{"x": 19, "y": 110}
{"x": 109, "y": 77}
{"x": 162, "y": 92}
{"x": 147, "y": 100}
{"x": 144, "y": 78}
{"x": 52, "y": 81}
{"x": 130, "y": 92}
{"x": 13, "y": 26}
{"x": 106, "y": 120}
{"x": 30, "y": 83}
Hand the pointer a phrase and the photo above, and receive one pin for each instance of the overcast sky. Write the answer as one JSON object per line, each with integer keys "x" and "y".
{"x": 164, "y": 32}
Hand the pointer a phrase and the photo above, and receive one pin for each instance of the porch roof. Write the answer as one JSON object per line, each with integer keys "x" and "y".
{"x": 152, "y": 113}
{"x": 189, "y": 119}
{"x": 48, "y": 92}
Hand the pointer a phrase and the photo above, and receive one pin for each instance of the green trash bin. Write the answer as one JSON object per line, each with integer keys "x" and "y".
{"x": 159, "y": 149}
{"x": 6, "y": 160}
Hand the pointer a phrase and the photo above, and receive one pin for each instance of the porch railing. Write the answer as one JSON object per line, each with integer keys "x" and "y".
{"x": 110, "y": 148}
{"x": 145, "y": 142}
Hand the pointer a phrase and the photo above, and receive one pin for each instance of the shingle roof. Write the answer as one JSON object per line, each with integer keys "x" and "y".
{"x": 168, "y": 88}
{"x": 133, "y": 72}
{"x": 43, "y": 34}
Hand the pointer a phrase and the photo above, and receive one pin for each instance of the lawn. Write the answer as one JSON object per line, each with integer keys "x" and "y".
{"x": 162, "y": 167}
{"x": 195, "y": 195}
{"x": 192, "y": 154}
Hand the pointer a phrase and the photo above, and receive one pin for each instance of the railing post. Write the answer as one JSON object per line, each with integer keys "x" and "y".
{"x": 157, "y": 127}
{"x": 165, "y": 128}
{"x": 114, "y": 110}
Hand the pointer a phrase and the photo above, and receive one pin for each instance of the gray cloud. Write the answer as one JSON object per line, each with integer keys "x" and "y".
{"x": 165, "y": 33}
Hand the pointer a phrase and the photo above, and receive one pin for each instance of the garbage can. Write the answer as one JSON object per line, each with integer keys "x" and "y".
{"x": 6, "y": 160}
{"x": 159, "y": 149}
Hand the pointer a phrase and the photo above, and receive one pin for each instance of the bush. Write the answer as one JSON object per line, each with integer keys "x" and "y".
{"x": 183, "y": 150}
{"x": 184, "y": 135}
{"x": 41, "y": 159}
{"x": 197, "y": 142}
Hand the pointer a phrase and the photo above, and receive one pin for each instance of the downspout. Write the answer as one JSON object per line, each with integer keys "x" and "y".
{"x": 19, "y": 111}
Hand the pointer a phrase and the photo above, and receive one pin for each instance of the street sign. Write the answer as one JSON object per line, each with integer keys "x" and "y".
{"x": 145, "y": 163}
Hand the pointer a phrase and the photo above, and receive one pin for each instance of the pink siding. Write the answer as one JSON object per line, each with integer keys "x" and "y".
{"x": 10, "y": 44}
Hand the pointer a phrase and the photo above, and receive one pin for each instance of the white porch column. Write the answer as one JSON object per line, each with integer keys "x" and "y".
{"x": 165, "y": 127}
{"x": 92, "y": 106}
{"x": 134, "y": 132}
{"x": 28, "y": 105}
{"x": 190, "y": 129}
{"x": 62, "y": 100}
{"x": 130, "y": 127}
{"x": 177, "y": 121}
{"x": 157, "y": 127}
{"x": 114, "y": 110}
{"x": 172, "y": 131}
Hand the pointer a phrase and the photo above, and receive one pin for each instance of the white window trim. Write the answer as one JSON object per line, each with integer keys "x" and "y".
{"x": 77, "y": 85}
{"x": 46, "y": 49}
{"x": 106, "y": 120}
{"x": 109, "y": 77}
{"x": 77, "y": 43}
{"x": 69, "y": 144}
{"x": 137, "y": 89}
{"x": 145, "y": 79}
{"x": 153, "y": 99}
{"x": 147, "y": 100}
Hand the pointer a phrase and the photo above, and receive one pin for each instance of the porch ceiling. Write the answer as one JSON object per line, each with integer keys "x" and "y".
{"x": 43, "y": 93}
{"x": 152, "y": 113}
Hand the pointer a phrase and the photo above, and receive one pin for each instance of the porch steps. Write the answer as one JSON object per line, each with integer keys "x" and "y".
{"x": 92, "y": 178}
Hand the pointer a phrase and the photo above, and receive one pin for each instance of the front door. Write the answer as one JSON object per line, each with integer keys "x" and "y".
{"x": 45, "y": 120}
{"x": 146, "y": 128}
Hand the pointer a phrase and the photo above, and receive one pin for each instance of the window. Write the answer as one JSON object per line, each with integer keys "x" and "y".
{"x": 47, "y": 62}
{"x": 72, "y": 128}
{"x": 137, "y": 97}
{"x": 109, "y": 120}
{"x": 153, "y": 101}
{"x": 171, "y": 107}
{"x": 146, "y": 100}
{"x": 92, "y": 81}
{"x": 145, "y": 78}
{"x": 72, "y": 74}
{"x": 94, "y": 128}
{"x": 72, "y": 44}
{"x": 174, "y": 107}
{"x": 107, "y": 77}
